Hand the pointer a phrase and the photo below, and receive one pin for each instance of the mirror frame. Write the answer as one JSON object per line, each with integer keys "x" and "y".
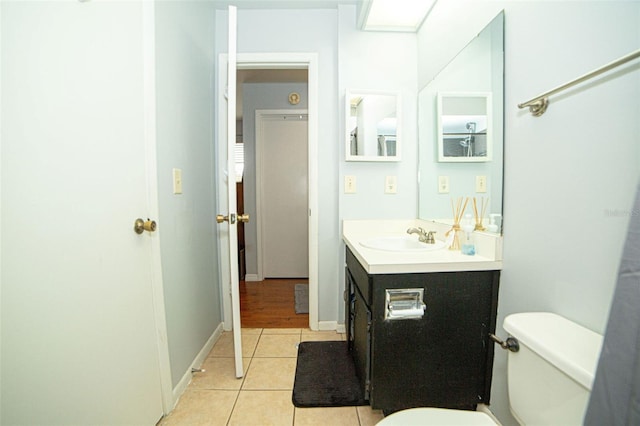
{"x": 347, "y": 134}
{"x": 441, "y": 133}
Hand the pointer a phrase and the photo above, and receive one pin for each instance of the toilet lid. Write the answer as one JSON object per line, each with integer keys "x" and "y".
{"x": 437, "y": 416}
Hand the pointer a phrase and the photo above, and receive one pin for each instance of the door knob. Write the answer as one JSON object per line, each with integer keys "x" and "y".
{"x": 232, "y": 218}
{"x": 221, "y": 218}
{"x": 140, "y": 226}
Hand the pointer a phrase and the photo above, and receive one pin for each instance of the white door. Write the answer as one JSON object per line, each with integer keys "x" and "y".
{"x": 231, "y": 217}
{"x": 284, "y": 211}
{"x": 80, "y": 341}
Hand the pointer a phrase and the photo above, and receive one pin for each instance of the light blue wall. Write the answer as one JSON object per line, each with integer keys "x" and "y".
{"x": 184, "y": 65}
{"x": 260, "y": 96}
{"x": 566, "y": 171}
{"x": 387, "y": 62}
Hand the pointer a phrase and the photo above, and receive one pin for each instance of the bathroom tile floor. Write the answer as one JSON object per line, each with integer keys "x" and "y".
{"x": 263, "y": 395}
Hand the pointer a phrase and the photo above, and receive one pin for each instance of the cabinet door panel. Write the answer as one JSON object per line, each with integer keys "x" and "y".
{"x": 440, "y": 359}
{"x": 362, "y": 342}
{"x": 360, "y": 276}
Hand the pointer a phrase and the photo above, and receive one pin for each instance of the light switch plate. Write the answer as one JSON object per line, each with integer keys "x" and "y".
{"x": 349, "y": 184}
{"x": 391, "y": 185}
{"x": 177, "y": 181}
{"x": 443, "y": 184}
{"x": 481, "y": 184}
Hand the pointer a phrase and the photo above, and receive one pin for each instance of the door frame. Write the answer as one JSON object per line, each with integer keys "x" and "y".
{"x": 273, "y": 60}
{"x": 260, "y": 114}
{"x": 150, "y": 144}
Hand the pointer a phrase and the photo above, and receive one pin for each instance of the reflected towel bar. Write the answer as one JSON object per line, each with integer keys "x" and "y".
{"x": 538, "y": 105}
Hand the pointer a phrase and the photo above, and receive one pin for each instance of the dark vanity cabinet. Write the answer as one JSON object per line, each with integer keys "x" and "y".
{"x": 443, "y": 358}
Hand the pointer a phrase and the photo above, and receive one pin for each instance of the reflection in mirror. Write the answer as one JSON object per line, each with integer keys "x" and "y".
{"x": 462, "y": 161}
{"x": 372, "y": 126}
{"x": 464, "y": 127}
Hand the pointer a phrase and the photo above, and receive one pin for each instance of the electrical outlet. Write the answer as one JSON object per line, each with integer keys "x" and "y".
{"x": 177, "y": 181}
{"x": 349, "y": 184}
{"x": 481, "y": 184}
{"x": 443, "y": 184}
{"x": 391, "y": 185}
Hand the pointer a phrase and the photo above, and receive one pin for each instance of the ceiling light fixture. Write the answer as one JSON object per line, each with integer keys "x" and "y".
{"x": 396, "y": 15}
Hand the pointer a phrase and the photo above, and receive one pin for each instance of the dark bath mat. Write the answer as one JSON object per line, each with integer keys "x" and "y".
{"x": 302, "y": 298}
{"x": 326, "y": 376}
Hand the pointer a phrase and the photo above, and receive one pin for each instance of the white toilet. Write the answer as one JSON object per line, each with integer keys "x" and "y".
{"x": 549, "y": 378}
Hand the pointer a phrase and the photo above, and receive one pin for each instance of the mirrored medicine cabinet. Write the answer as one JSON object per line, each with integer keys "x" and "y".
{"x": 372, "y": 126}
{"x": 464, "y": 126}
{"x": 460, "y": 129}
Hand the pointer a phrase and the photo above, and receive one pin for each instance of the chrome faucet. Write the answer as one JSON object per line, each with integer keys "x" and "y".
{"x": 423, "y": 236}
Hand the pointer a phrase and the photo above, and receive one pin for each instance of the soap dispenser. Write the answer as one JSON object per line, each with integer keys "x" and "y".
{"x": 493, "y": 226}
{"x": 468, "y": 243}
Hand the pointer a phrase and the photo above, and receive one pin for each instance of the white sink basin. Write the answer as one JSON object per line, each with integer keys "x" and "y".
{"x": 400, "y": 243}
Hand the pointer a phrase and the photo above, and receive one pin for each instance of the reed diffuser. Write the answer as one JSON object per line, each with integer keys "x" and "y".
{"x": 458, "y": 212}
{"x": 479, "y": 215}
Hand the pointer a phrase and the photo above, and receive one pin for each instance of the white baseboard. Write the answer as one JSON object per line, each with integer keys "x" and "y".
{"x": 251, "y": 277}
{"x": 327, "y": 325}
{"x": 197, "y": 363}
{"x": 340, "y": 328}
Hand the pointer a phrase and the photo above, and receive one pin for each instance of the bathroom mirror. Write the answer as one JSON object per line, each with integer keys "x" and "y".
{"x": 453, "y": 110}
{"x": 464, "y": 126}
{"x": 372, "y": 126}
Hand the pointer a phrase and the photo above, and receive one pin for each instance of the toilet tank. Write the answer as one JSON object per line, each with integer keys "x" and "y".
{"x": 550, "y": 377}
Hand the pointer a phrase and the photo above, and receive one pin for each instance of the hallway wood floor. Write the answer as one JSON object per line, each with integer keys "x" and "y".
{"x": 270, "y": 304}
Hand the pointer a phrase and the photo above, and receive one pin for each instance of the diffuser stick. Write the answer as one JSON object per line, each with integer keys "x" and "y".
{"x": 458, "y": 212}
{"x": 479, "y": 216}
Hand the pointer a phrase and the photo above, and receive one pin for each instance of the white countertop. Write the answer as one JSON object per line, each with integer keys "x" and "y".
{"x": 487, "y": 258}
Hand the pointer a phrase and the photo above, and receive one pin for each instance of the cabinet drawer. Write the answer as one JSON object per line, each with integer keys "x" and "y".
{"x": 360, "y": 276}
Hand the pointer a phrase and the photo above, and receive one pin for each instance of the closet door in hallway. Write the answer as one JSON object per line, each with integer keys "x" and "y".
{"x": 282, "y": 172}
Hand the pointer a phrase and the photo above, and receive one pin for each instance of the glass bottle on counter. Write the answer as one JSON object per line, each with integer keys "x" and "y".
{"x": 468, "y": 240}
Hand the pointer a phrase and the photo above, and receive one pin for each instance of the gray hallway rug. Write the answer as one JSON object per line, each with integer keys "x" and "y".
{"x": 302, "y": 298}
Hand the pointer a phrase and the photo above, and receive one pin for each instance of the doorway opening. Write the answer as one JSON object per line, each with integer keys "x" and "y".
{"x": 273, "y": 248}
{"x": 290, "y": 61}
